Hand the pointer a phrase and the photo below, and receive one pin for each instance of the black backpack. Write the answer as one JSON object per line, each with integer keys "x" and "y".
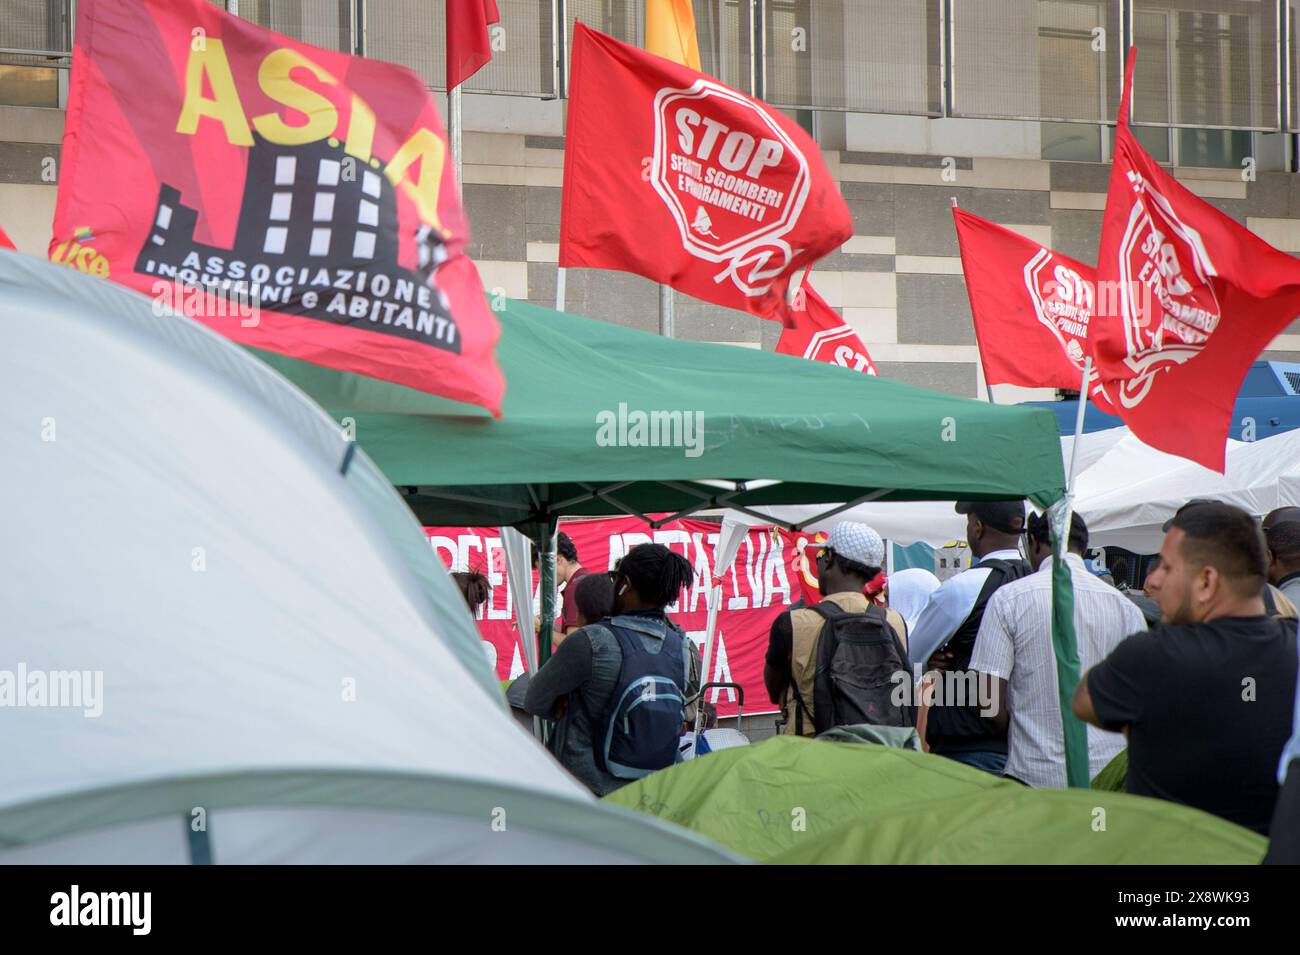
{"x": 858, "y": 658}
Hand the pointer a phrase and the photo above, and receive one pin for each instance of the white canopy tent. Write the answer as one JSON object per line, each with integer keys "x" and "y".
{"x": 1126, "y": 491}
{"x": 226, "y": 637}
{"x": 1132, "y": 490}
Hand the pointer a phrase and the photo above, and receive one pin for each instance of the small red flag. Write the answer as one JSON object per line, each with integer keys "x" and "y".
{"x": 1187, "y": 298}
{"x": 4, "y": 241}
{"x": 469, "y": 47}
{"x": 1031, "y": 308}
{"x": 671, "y": 175}
{"x": 817, "y": 332}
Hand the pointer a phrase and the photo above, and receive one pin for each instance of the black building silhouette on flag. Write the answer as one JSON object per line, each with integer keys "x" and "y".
{"x": 318, "y": 237}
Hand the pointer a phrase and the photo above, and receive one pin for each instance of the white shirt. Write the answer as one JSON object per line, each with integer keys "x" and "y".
{"x": 1015, "y": 644}
{"x": 948, "y": 607}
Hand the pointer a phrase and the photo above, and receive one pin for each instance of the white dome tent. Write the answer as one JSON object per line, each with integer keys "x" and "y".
{"x": 226, "y": 638}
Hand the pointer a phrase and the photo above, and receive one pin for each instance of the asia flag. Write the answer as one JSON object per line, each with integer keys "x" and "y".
{"x": 291, "y": 198}
{"x": 1187, "y": 299}
{"x": 1031, "y": 308}
{"x": 816, "y": 331}
{"x": 673, "y": 176}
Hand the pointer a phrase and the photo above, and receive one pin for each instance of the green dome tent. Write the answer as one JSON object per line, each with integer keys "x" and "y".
{"x": 794, "y": 800}
{"x": 226, "y": 639}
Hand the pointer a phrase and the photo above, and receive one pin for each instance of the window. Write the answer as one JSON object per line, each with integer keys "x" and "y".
{"x": 40, "y": 25}
{"x": 877, "y": 56}
{"x": 1054, "y": 60}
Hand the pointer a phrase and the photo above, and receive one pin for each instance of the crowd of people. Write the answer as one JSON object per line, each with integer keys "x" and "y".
{"x": 1192, "y": 680}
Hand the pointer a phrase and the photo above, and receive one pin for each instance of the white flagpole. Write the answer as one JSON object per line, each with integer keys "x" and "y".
{"x": 666, "y": 311}
{"x": 1078, "y": 430}
{"x": 453, "y": 133}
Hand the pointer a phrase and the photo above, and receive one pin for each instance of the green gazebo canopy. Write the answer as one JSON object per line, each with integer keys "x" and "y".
{"x": 586, "y": 402}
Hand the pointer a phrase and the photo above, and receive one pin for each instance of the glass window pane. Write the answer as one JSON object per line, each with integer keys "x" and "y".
{"x": 1036, "y": 59}
{"x": 1215, "y": 62}
{"x": 1072, "y": 142}
{"x": 1154, "y": 139}
{"x": 33, "y": 25}
{"x": 28, "y": 86}
{"x": 879, "y": 56}
{"x": 1220, "y": 148}
{"x": 324, "y": 23}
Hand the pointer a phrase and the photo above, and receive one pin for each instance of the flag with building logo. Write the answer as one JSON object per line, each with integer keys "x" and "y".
{"x": 673, "y": 176}
{"x": 1187, "y": 299}
{"x": 816, "y": 331}
{"x": 1031, "y": 308}
{"x": 294, "y": 199}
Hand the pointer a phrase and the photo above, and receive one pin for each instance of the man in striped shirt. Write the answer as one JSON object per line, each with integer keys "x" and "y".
{"x": 1014, "y": 647}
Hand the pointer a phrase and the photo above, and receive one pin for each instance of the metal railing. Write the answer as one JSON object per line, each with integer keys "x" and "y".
{"x": 1207, "y": 64}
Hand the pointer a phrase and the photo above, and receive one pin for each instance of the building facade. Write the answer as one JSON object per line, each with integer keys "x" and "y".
{"x": 1003, "y": 105}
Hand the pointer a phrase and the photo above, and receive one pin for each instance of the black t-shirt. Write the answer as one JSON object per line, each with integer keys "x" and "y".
{"x": 1208, "y": 707}
{"x": 780, "y": 647}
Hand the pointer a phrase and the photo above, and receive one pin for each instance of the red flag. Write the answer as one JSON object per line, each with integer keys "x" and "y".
{"x": 469, "y": 48}
{"x": 291, "y": 198}
{"x": 818, "y": 332}
{"x": 1187, "y": 299}
{"x": 4, "y": 241}
{"x": 671, "y": 175}
{"x": 1031, "y": 308}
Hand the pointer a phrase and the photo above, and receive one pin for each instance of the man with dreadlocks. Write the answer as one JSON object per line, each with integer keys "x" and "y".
{"x": 620, "y": 687}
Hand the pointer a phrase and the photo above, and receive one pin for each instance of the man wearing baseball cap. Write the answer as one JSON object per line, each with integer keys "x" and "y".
{"x": 945, "y": 632}
{"x": 831, "y": 664}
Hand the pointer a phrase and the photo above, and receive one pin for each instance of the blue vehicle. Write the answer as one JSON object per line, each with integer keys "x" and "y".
{"x": 1268, "y": 404}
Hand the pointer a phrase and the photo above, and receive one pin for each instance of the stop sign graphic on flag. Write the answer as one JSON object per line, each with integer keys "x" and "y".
{"x": 671, "y": 175}
{"x": 732, "y": 193}
{"x": 1187, "y": 298}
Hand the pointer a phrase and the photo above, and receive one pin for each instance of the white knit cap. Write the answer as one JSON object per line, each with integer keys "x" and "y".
{"x": 857, "y": 542}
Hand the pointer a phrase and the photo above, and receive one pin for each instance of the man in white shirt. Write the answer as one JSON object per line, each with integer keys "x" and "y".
{"x": 1014, "y": 646}
{"x": 945, "y": 632}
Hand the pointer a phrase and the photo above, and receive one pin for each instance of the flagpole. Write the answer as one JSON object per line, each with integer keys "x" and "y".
{"x": 666, "y": 311}
{"x": 988, "y": 389}
{"x": 453, "y": 133}
{"x": 1078, "y": 430}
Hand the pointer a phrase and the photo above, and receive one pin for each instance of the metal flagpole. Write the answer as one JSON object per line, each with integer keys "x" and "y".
{"x": 1078, "y": 430}
{"x": 453, "y": 133}
{"x": 666, "y": 311}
